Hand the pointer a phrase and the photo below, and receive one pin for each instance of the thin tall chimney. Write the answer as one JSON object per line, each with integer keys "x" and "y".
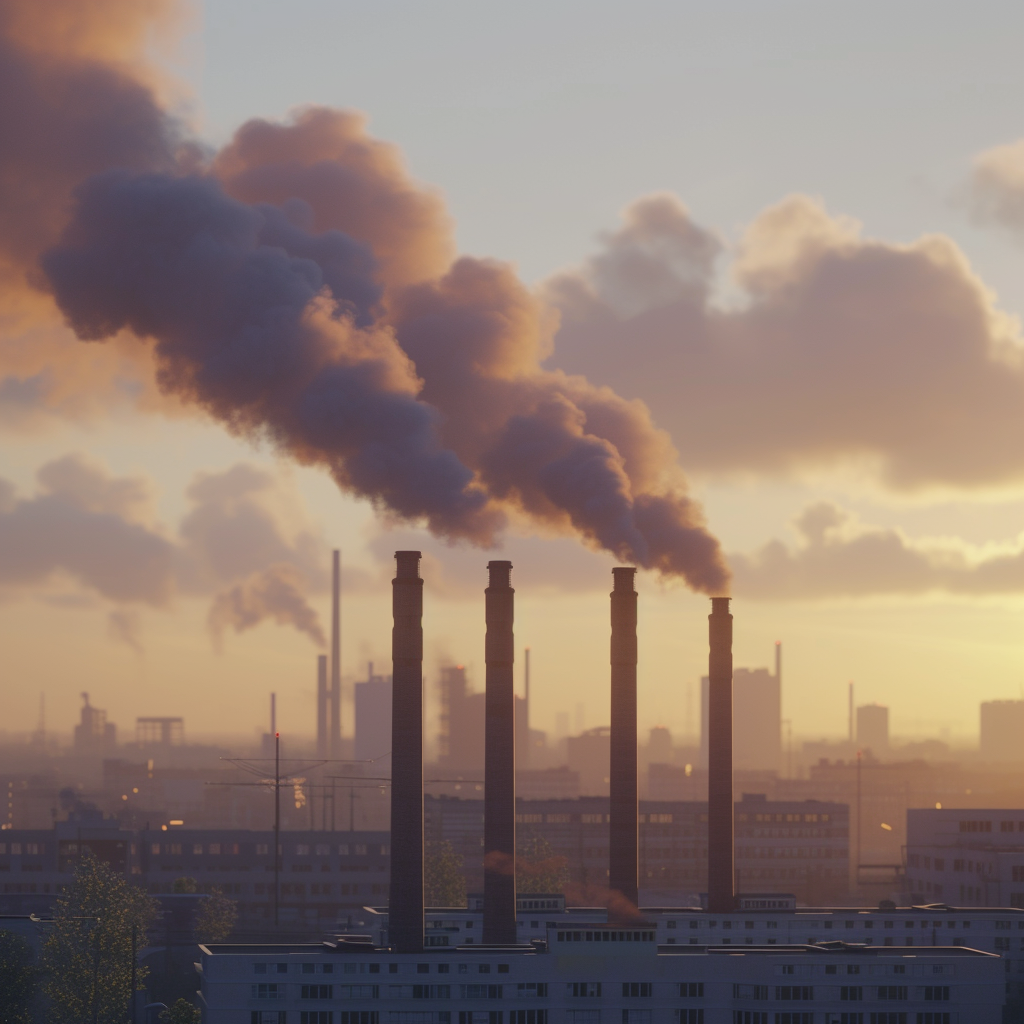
{"x": 499, "y": 759}
{"x": 273, "y": 713}
{"x": 335, "y": 734}
{"x": 322, "y": 746}
{"x": 623, "y": 862}
{"x": 721, "y": 871}
{"x": 405, "y": 904}
{"x": 778, "y": 661}
{"x": 849, "y": 701}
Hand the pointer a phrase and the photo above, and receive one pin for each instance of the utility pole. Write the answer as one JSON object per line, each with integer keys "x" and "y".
{"x": 131, "y": 995}
{"x": 277, "y": 825}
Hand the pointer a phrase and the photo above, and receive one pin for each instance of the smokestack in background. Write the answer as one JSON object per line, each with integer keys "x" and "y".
{"x": 721, "y": 870}
{"x": 499, "y": 759}
{"x": 623, "y": 862}
{"x": 405, "y": 904}
{"x": 335, "y": 740}
{"x": 322, "y": 746}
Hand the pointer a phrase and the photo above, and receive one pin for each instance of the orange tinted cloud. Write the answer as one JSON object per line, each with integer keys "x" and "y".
{"x": 836, "y": 556}
{"x": 835, "y": 348}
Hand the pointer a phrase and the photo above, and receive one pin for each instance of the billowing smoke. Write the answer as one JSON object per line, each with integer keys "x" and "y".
{"x": 87, "y": 534}
{"x": 275, "y": 593}
{"x": 300, "y": 288}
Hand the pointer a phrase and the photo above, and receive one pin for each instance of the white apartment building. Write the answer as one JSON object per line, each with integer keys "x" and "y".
{"x": 762, "y": 920}
{"x": 974, "y": 858}
{"x": 599, "y": 974}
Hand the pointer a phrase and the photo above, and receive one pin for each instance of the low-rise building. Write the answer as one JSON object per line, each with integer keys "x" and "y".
{"x": 598, "y": 974}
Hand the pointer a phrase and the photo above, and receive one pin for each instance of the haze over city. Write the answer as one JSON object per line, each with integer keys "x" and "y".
{"x": 527, "y": 491}
{"x": 814, "y": 292}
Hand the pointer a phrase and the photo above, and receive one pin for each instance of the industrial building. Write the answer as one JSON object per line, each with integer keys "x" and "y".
{"x": 607, "y": 960}
{"x": 974, "y": 858}
{"x": 598, "y": 973}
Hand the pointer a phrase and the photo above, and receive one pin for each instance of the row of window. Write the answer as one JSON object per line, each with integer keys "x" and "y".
{"x": 686, "y": 1016}
{"x": 17, "y": 849}
{"x": 588, "y": 989}
{"x": 328, "y": 967}
{"x": 220, "y": 849}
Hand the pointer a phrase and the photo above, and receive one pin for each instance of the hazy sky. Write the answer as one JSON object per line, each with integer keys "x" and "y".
{"x": 823, "y": 313}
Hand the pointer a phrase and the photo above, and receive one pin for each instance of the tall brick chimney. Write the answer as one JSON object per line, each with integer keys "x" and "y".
{"x": 721, "y": 869}
{"x": 623, "y": 864}
{"x": 405, "y": 905}
{"x": 499, "y": 759}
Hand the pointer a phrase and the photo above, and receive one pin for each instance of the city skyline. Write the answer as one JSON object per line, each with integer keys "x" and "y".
{"x": 877, "y": 541}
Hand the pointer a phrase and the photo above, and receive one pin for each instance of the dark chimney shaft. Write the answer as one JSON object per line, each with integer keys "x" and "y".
{"x": 405, "y": 905}
{"x": 335, "y": 701}
{"x": 499, "y": 759}
{"x": 322, "y": 747}
{"x": 623, "y": 864}
{"x": 721, "y": 871}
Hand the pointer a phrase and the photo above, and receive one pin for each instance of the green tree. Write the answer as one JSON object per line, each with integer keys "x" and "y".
{"x": 538, "y": 868}
{"x": 444, "y": 883}
{"x": 87, "y": 959}
{"x": 185, "y": 884}
{"x": 215, "y": 917}
{"x": 181, "y": 1012}
{"x": 17, "y": 979}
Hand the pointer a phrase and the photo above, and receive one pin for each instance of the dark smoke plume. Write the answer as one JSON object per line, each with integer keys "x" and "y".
{"x": 300, "y": 289}
{"x": 275, "y": 593}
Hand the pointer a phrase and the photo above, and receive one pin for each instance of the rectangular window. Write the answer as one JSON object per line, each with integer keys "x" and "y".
{"x": 892, "y": 991}
{"x": 794, "y": 1018}
{"x": 851, "y": 1018}
{"x": 529, "y": 989}
{"x": 583, "y": 989}
{"x": 691, "y": 989}
{"x": 887, "y": 1018}
{"x": 358, "y": 991}
{"x": 527, "y": 1017}
{"x": 936, "y": 993}
{"x": 637, "y": 1017}
{"x": 215, "y": 848}
{"x": 358, "y": 1017}
{"x": 793, "y": 992}
{"x": 933, "y": 1018}
{"x": 744, "y": 991}
{"x": 315, "y": 992}
{"x": 748, "y": 1017}
{"x": 583, "y": 1016}
{"x": 636, "y": 989}
{"x": 480, "y": 991}
{"x": 267, "y": 1017}
{"x": 696, "y": 1016}
{"x": 267, "y": 990}
{"x": 316, "y": 1017}
{"x": 851, "y": 993}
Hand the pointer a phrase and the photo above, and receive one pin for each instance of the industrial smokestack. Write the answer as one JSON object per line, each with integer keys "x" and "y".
{"x": 623, "y": 861}
{"x": 499, "y": 759}
{"x": 721, "y": 876}
{"x": 335, "y": 741}
{"x": 322, "y": 746}
{"x": 405, "y": 905}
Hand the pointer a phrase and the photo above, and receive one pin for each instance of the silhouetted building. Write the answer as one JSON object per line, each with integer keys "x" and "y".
{"x": 1002, "y": 730}
{"x": 588, "y": 755}
{"x": 373, "y": 716}
{"x": 873, "y": 728}
{"x": 94, "y": 734}
{"x": 757, "y": 720}
{"x": 163, "y": 732}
